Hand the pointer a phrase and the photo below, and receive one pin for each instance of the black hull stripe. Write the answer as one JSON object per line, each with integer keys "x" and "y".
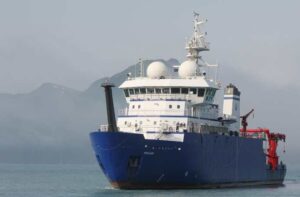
{"x": 129, "y": 185}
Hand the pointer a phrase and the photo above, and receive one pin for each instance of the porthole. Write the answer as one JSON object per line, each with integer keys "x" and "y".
{"x": 170, "y": 106}
{"x": 178, "y": 106}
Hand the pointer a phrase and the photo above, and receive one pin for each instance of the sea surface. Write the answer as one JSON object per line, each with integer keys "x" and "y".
{"x": 41, "y": 180}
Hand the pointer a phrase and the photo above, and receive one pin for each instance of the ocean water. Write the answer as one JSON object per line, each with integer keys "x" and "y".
{"x": 87, "y": 180}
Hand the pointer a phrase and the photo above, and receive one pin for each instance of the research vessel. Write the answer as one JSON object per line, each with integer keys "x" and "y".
{"x": 172, "y": 134}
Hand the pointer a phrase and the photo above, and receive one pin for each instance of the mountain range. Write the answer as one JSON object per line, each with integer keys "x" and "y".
{"x": 52, "y": 123}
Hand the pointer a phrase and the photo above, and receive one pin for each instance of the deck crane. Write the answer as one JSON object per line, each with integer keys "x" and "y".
{"x": 244, "y": 120}
{"x": 273, "y": 138}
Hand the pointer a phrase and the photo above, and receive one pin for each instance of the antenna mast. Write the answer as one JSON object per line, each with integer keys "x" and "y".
{"x": 141, "y": 68}
{"x": 197, "y": 42}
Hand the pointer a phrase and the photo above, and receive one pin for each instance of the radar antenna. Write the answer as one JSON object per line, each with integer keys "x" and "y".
{"x": 197, "y": 42}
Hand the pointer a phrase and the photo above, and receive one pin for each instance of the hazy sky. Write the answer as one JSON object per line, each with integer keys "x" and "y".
{"x": 73, "y": 43}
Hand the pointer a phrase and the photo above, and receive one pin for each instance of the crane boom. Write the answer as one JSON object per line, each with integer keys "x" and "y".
{"x": 244, "y": 120}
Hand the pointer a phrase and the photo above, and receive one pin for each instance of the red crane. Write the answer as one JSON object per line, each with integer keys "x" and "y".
{"x": 273, "y": 139}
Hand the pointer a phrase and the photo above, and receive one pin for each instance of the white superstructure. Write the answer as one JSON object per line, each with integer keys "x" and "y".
{"x": 231, "y": 105}
{"x": 174, "y": 103}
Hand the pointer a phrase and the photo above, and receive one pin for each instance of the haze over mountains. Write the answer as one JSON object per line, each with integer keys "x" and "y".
{"x": 52, "y": 123}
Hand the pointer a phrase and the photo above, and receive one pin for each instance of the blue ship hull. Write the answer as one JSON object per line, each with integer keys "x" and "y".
{"x": 201, "y": 161}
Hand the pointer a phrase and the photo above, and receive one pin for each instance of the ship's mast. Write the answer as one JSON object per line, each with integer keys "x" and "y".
{"x": 141, "y": 67}
{"x": 197, "y": 42}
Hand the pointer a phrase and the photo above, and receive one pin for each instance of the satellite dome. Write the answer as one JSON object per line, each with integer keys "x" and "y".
{"x": 157, "y": 70}
{"x": 188, "y": 68}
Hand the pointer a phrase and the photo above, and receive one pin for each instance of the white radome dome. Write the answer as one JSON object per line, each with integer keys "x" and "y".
{"x": 188, "y": 68}
{"x": 157, "y": 70}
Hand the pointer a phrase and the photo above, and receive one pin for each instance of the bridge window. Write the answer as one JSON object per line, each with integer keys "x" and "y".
{"x": 133, "y": 106}
{"x": 208, "y": 92}
{"x": 157, "y": 90}
{"x": 178, "y": 106}
{"x": 126, "y": 92}
{"x": 184, "y": 90}
{"x": 175, "y": 90}
{"x": 136, "y": 91}
{"x": 201, "y": 92}
{"x": 143, "y": 90}
{"x": 213, "y": 93}
{"x": 193, "y": 90}
{"x": 166, "y": 90}
{"x": 170, "y": 106}
{"x": 139, "y": 106}
{"x": 198, "y": 91}
{"x": 150, "y": 90}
